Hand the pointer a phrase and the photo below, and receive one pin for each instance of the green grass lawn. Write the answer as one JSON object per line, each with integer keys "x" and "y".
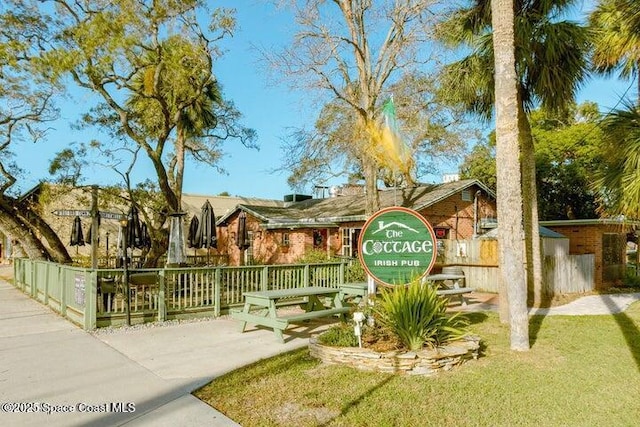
{"x": 580, "y": 371}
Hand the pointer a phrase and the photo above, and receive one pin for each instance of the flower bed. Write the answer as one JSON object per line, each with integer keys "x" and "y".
{"x": 423, "y": 362}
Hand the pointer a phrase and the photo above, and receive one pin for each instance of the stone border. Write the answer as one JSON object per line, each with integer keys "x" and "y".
{"x": 424, "y": 362}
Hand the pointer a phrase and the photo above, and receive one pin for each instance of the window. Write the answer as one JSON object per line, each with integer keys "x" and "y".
{"x": 318, "y": 238}
{"x": 285, "y": 239}
{"x": 466, "y": 195}
{"x": 350, "y": 242}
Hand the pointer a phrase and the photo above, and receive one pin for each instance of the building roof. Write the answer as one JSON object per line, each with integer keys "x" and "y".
{"x": 544, "y": 233}
{"x": 329, "y": 212}
{"x": 595, "y": 221}
{"x": 222, "y": 205}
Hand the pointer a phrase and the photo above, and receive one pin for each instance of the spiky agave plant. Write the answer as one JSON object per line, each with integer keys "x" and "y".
{"x": 417, "y": 315}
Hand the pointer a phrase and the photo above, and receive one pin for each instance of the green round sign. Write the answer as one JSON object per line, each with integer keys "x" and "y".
{"x": 397, "y": 245}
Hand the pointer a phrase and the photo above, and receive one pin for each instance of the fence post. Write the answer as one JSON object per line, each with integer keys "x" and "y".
{"x": 63, "y": 292}
{"x": 91, "y": 301}
{"x": 216, "y": 291}
{"x": 162, "y": 302}
{"x": 47, "y": 277}
{"x": 341, "y": 273}
{"x": 16, "y": 278}
{"x": 33, "y": 288}
{"x": 264, "y": 279}
{"x": 306, "y": 276}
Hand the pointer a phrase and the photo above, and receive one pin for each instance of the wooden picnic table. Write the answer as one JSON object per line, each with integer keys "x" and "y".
{"x": 456, "y": 289}
{"x": 260, "y": 307}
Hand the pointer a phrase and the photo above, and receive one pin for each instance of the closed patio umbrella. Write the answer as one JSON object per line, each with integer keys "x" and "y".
{"x": 192, "y": 235}
{"x": 242, "y": 236}
{"x": 146, "y": 239}
{"x": 206, "y": 236}
{"x": 76, "y": 233}
{"x": 193, "y": 232}
{"x": 134, "y": 229}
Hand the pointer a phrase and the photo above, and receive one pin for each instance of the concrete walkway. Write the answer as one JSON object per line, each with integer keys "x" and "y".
{"x": 144, "y": 374}
{"x": 584, "y": 306}
{"x": 591, "y": 305}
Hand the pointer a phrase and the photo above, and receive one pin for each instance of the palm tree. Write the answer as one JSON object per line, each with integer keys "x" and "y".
{"x": 508, "y": 166}
{"x": 195, "y": 120}
{"x": 550, "y": 64}
{"x": 169, "y": 93}
{"x": 619, "y": 179}
{"x": 615, "y": 26}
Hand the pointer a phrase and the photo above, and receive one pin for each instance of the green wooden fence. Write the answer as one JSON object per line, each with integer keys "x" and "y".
{"x": 96, "y": 298}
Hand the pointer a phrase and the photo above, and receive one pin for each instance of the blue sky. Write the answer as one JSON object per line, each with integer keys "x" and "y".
{"x": 267, "y": 108}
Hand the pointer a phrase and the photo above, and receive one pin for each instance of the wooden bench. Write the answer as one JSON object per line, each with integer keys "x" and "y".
{"x": 260, "y": 308}
{"x": 455, "y": 292}
{"x": 355, "y": 292}
{"x": 441, "y": 279}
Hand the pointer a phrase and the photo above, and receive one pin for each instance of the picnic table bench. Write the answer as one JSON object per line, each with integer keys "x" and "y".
{"x": 260, "y": 308}
{"x": 446, "y": 290}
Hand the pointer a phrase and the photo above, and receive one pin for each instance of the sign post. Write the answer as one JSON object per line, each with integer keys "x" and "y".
{"x": 397, "y": 245}
{"x": 95, "y": 223}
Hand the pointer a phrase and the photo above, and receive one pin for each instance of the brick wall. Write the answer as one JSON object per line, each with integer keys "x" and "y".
{"x": 457, "y": 215}
{"x": 588, "y": 239}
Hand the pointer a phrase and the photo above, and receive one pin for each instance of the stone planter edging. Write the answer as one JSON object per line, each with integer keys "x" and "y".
{"x": 423, "y": 362}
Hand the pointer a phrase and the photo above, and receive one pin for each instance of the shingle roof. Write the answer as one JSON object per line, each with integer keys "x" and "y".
{"x": 222, "y": 205}
{"x": 543, "y": 231}
{"x": 331, "y": 211}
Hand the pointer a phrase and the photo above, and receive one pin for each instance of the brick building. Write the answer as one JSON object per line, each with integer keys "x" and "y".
{"x": 283, "y": 234}
{"x": 606, "y": 238}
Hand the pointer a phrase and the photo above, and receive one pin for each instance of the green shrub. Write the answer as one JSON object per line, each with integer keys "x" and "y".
{"x": 314, "y": 256}
{"x": 355, "y": 272}
{"x": 417, "y": 315}
{"x": 341, "y": 335}
{"x": 631, "y": 280}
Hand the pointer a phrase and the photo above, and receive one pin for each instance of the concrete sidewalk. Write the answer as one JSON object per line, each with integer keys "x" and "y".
{"x": 144, "y": 374}
{"x": 584, "y": 306}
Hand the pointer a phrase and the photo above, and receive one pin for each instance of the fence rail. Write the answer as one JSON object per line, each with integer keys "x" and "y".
{"x": 95, "y": 298}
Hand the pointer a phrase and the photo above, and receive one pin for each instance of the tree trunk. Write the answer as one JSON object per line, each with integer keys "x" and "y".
{"x": 159, "y": 245}
{"x": 530, "y": 210}
{"x": 371, "y": 186}
{"x": 179, "y": 170}
{"x": 173, "y": 204}
{"x": 509, "y": 189}
{"x": 57, "y": 250}
{"x": 18, "y": 230}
